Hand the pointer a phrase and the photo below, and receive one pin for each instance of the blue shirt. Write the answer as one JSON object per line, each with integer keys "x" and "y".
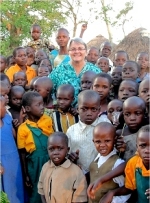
{"x": 65, "y": 74}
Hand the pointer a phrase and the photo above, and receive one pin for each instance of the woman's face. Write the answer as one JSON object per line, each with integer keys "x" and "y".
{"x": 77, "y": 52}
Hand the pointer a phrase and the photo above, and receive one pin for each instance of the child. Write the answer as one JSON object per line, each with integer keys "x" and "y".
{"x": 4, "y": 78}
{"x": 131, "y": 70}
{"x": 143, "y": 61}
{"x": 105, "y": 50}
{"x": 38, "y": 42}
{"x": 92, "y": 55}
{"x": 127, "y": 88}
{"x": 133, "y": 112}
{"x": 32, "y": 141}
{"x": 43, "y": 71}
{"x": 60, "y": 172}
{"x": 3, "y": 64}
{"x": 60, "y": 56}
{"x": 21, "y": 59}
{"x": 39, "y": 56}
{"x": 144, "y": 93}
{"x": 31, "y": 86}
{"x": 20, "y": 78}
{"x": 30, "y": 56}
{"x": 10, "y": 61}
{"x": 87, "y": 79}
{"x": 4, "y": 91}
{"x": 103, "y": 64}
{"x": 102, "y": 84}
{"x": 114, "y": 111}
{"x": 63, "y": 118}
{"x": 120, "y": 58}
{"x": 12, "y": 183}
{"x": 43, "y": 86}
{"x": 137, "y": 171}
{"x": 80, "y": 134}
{"x": 116, "y": 75}
{"x": 106, "y": 160}
{"x": 47, "y": 63}
{"x": 15, "y": 101}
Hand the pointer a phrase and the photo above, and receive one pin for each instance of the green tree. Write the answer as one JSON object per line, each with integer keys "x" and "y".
{"x": 17, "y": 16}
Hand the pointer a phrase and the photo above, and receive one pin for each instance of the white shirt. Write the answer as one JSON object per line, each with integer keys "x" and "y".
{"x": 80, "y": 138}
{"x": 119, "y": 180}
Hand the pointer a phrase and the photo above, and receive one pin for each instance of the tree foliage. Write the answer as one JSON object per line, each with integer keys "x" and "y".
{"x": 17, "y": 16}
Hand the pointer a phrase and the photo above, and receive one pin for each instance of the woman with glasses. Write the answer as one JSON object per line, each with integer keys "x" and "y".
{"x": 72, "y": 71}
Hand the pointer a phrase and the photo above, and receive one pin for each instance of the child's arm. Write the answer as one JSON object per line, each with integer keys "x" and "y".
{"x": 22, "y": 153}
{"x": 83, "y": 28}
{"x": 43, "y": 199}
{"x": 93, "y": 187}
{"x": 107, "y": 198}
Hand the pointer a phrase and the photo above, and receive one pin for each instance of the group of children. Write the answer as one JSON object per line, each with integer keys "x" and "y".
{"x": 53, "y": 151}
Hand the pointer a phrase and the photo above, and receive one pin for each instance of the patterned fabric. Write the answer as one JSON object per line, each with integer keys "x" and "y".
{"x": 62, "y": 121}
{"x": 40, "y": 44}
{"x": 57, "y": 59}
{"x": 65, "y": 74}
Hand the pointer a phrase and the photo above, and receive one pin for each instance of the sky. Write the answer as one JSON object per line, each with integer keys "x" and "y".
{"x": 139, "y": 15}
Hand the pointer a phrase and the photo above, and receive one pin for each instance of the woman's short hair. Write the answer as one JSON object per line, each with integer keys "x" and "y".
{"x": 78, "y": 40}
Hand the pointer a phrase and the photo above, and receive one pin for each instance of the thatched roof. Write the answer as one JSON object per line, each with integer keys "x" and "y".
{"x": 96, "y": 42}
{"x": 133, "y": 43}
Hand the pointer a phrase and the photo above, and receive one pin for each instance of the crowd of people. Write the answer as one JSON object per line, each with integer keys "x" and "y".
{"x": 74, "y": 124}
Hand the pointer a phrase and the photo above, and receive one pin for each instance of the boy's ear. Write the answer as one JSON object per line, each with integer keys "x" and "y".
{"x": 27, "y": 108}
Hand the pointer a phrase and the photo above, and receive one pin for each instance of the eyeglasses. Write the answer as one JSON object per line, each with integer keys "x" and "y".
{"x": 79, "y": 49}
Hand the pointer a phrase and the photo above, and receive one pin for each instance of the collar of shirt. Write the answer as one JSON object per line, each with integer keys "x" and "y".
{"x": 66, "y": 164}
{"x": 102, "y": 159}
{"x": 83, "y": 126}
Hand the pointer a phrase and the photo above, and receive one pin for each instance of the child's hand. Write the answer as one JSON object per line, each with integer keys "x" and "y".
{"x": 1, "y": 170}
{"x": 84, "y": 26}
{"x": 23, "y": 115}
{"x": 16, "y": 123}
{"x": 148, "y": 193}
{"x": 73, "y": 156}
{"x": 120, "y": 144}
{"x": 93, "y": 187}
{"x": 107, "y": 198}
{"x": 73, "y": 111}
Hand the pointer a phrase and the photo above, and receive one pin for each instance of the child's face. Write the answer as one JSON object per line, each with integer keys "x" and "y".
{"x": 62, "y": 38}
{"x": 20, "y": 79}
{"x": 11, "y": 62}
{"x": 143, "y": 148}
{"x": 106, "y": 50}
{"x": 102, "y": 87}
{"x": 127, "y": 89}
{"x": 43, "y": 71}
{"x": 3, "y": 65}
{"x": 120, "y": 59}
{"x": 36, "y": 109}
{"x": 57, "y": 150}
{"x": 104, "y": 141}
{"x": 116, "y": 76}
{"x": 42, "y": 90}
{"x": 64, "y": 99}
{"x": 86, "y": 82}
{"x": 103, "y": 64}
{"x": 39, "y": 56}
{"x": 4, "y": 91}
{"x": 21, "y": 57}
{"x": 88, "y": 110}
{"x": 92, "y": 56}
{"x": 36, "y": 33}
{"x": 7, "y": 83}
{"x": 16, "y": 99}
{"x": 129, "y": 71}
{"x": 2, "y": 108}
{"x": 114, "y": 109}
{"x": 144, "y": 91}
{"x": 143, "y": 61}
{"x": 30, "y": 51}
{"x": 133, "y": 115}
{"x": 46, "y": 63}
